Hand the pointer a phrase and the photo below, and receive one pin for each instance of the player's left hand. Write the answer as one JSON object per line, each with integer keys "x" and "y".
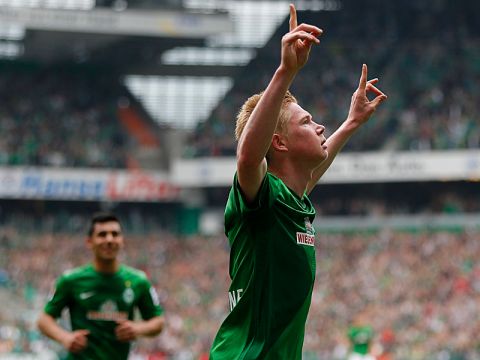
{"x": 126, "y": 330}
{"x": 361, "y": 108}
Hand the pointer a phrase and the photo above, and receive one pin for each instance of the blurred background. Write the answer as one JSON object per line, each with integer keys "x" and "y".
{"x": 129, "y": 106}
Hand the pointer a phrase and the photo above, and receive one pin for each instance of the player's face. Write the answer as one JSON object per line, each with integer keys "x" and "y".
{"x": 305, "y": 138}
{"x": 106, "y": 240}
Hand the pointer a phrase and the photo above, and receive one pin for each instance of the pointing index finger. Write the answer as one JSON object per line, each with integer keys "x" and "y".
{"x": 363, "y": 79}
{"x": 293, "y": 17}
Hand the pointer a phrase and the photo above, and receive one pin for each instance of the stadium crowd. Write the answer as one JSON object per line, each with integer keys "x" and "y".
{"x": 68, "y": 117}
{"x": 419, "y": 291}
{"x": 426, "y": 63}
{"x": 369, "y": 200}
{"x": 62, "y": 118}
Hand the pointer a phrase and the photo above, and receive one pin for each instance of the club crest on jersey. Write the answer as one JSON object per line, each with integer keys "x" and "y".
{"x": 308, "y": 237}
{"x": 128, "y": 295}
{"x": 309, "y": 227}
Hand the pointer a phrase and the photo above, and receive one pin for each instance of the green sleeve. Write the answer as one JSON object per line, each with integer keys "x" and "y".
{"x": 262, "y": 201}
{"x": 148, "y": 303}
{"x": 60, "y": 298}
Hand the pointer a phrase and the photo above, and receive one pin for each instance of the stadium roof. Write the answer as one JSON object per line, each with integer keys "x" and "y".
{"x": 199, "y": 46}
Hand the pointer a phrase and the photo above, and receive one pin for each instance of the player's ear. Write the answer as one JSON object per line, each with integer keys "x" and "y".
{"x": 278, "y": 143}
{"x": 88, "y": 242}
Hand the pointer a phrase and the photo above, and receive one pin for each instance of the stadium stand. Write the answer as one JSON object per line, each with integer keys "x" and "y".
{"x": 432, "y": 96}
{"x": 421, "y": 287}
{"x": 61, "y": 118}
{"x": 401, "y": 255}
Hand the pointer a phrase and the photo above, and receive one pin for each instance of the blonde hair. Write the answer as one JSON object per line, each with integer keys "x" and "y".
{"x": 249, "y": 105}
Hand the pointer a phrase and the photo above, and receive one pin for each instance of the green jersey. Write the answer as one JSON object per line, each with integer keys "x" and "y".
{"x": 272, "y": 267}
{"x": 360, "y": 338}
{"x": 96, "y": 301}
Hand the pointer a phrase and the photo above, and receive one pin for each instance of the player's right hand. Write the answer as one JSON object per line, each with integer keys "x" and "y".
{"x": 296, "y": 44}
{"x": 76, "y": 341}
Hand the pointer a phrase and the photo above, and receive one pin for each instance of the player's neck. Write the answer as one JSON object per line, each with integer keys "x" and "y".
{"x": 296, "y": 179}
{"x": 106, "y": 266}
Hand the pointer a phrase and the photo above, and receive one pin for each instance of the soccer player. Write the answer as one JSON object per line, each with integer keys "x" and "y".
{"x": 281, "y": 155}
{"x": 101, "y": 298}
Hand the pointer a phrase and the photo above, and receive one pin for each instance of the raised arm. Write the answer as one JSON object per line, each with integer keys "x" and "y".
{"x": 257, "y": 136}
{"x": 360, "y": 111}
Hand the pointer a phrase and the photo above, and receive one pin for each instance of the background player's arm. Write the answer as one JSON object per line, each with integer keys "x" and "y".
{"x": 130, "y": 330}
{"x": 151, "y": 327}
{"x": 74, "y": 341}
{"x": 360, "y": 111}
{"x": 257, "y": 135}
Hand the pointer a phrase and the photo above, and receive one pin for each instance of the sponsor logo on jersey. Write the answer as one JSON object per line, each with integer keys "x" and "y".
{"x": 305, "y": 239}
{"x": 108, "y": 312}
